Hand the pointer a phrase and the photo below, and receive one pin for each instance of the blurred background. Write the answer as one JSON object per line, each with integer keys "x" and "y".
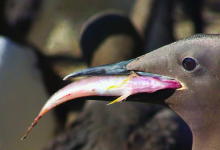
{"x": 55, "y": 26}
{"x": 49, "y": 36}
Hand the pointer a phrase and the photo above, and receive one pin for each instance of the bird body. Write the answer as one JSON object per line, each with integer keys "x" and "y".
{"x": 195, "y": 62}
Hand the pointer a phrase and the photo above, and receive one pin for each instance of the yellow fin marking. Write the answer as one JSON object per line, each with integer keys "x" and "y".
{"x": 132, "y": 75}
{"x": 126, "y": 80}
{"x": 120, "y": 99}
{"x": 111, "y": 87}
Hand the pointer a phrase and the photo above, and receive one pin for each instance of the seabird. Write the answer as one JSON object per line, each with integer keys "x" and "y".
{"x": 138, "y": 126}
{"x": 192, "y": 62}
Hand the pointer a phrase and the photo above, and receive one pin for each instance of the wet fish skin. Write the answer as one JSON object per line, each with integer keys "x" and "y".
{"x": 122, "y": 86}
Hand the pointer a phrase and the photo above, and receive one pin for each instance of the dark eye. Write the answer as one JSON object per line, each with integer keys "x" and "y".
{"x": 189, "y": 64}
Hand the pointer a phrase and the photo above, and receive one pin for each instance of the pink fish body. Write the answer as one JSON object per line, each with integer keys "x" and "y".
{"x": 122, "y": 86}
{"x": 109, "y": 86}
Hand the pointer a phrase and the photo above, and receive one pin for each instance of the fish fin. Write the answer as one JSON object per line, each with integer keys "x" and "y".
{"x": 111, "y": 87}
{"x": 132, "y": 75}
{"x": 120, "y": 99}
{"x": 32, "y": 125}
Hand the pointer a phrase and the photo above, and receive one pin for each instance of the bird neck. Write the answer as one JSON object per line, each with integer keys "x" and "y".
{"x": 204, "y": 122}
{"x": 203, "y": 140}
{"x": 205, "y": 130}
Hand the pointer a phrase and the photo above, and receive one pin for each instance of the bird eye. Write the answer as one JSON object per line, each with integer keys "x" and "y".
{"x": 189, "y": 64}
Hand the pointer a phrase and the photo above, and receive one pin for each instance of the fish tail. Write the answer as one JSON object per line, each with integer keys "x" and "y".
{"x": 32, "y": 125}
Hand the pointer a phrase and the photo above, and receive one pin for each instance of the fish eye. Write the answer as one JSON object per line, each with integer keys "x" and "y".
{"x": 189, "y": 63}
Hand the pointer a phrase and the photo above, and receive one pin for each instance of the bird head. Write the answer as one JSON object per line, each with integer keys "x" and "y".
{"x": 193, "y": 61}
{"x": 186, "y": 71}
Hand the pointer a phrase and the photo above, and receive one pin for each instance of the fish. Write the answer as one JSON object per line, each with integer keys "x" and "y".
{"x": 120, "y": 86}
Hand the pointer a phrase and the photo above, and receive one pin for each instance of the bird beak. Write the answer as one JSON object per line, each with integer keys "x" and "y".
{"x": 116, "y": 69}
{"x": 104, "y": 70}
{"x": 110, "y": 80}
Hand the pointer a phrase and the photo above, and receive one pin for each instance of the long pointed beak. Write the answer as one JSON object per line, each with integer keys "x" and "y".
{"x": 108, "y": 80}
{"x": 111, "y": 70}
{"x": 104, "y": 70}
